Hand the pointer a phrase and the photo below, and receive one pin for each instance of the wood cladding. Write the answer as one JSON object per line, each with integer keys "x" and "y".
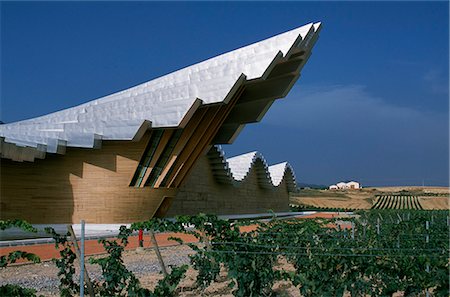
{"x": 94, "y": 184}
{"x": 201, "y": 192}
{"x": 159, "y": 150}
{"x": 89, "y": 184}
{"x": 201, "y": 139}
{"x": 191, "y": 142}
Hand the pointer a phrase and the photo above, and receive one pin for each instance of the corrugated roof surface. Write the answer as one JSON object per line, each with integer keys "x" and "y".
{"x": 235, "y": 170}
{"x": 162, "y": 102}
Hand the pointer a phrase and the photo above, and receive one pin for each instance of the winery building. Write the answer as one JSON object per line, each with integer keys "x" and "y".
{"x": 151, "y": 150}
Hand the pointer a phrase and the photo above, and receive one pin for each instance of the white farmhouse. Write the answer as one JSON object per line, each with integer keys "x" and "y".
{"x": 345, "y": 185}
{"x": 353, "y": 185}
{"x": 341, "y": 185}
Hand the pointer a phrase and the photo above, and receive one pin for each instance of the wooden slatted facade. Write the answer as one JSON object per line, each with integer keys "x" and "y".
{"x": 82, "y": 184}
{"x": 202, "y": 192}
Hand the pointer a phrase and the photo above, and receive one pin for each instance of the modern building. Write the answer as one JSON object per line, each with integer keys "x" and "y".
{"x": 127, "y": 156}
{"x": 240, "y": 185}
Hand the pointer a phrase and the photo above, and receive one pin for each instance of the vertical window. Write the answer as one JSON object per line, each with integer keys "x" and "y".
{"x": 163, "y": 159}
{"x": 145, "y": 161}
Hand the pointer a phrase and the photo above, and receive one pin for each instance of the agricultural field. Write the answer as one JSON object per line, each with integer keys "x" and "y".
{"x": 373, "y": 253}
{"x": 418, "y": 191}
{"x": 397, "y": 202}
{"x": 427, "y": 198}
{"x": 430, "y": 203}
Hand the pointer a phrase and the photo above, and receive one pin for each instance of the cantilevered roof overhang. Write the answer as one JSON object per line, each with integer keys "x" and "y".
{"x": 256, "y": 75}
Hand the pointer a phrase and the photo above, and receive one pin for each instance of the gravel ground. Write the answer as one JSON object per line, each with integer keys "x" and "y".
{"x": 43, "y": 276}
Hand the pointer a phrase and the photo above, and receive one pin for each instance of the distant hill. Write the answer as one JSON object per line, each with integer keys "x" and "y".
{"x": 312, "y": 186}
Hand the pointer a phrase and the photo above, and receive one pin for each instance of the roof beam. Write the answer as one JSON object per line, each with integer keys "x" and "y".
{"x": 247, "y": 112}
{"x": 267, "y": 89}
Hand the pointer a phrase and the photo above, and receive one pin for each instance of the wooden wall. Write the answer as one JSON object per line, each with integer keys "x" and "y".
{"x": 93, "y": 184}
{"x": 89, "y": 184}
{"x": 202, "y": 193}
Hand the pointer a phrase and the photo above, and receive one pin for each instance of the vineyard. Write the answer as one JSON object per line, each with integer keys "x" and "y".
{"x": 396, "y": 202}
{"x": 375, "y": 253}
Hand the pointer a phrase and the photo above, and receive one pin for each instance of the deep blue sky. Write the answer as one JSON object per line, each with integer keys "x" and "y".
{"x": 372, "y": 102}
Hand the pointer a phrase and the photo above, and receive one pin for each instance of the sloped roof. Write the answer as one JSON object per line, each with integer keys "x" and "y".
{"x": 162, "y": 102}
{"x": 236, "y": 169}
{"x": 278, "y": 171}
{"x": 241, "y": 165}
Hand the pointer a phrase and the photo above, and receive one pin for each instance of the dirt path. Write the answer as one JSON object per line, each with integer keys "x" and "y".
{"x": 92, "y": 247}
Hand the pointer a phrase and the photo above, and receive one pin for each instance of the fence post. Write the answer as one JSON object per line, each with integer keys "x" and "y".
{"x": 427, "y": 269}
{"x": 82, "y": 260}
{"x": 364, "y": 228}
{"x": 78, "y": 254}
{"x": 158, "y": 253}
{"x": 427, "y": 226}
{"x": 208, "y": 246}
{"x": 378, "y": 226}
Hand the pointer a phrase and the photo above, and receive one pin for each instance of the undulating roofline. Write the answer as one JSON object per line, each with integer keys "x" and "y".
{"x": 236, "y": 169}
{"x": 170, "y": 100}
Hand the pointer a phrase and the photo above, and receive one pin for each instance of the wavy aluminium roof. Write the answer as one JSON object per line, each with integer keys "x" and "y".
{"x": 236, "y": 169}
{"x": 166, "y": 101}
